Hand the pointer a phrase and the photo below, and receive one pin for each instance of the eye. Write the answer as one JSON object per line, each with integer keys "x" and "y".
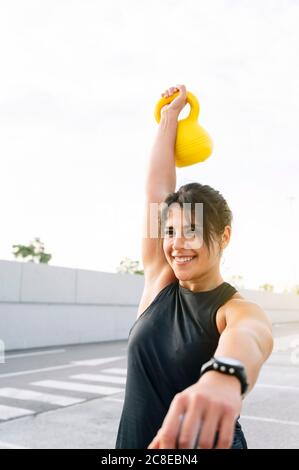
{"x": 189, "y": 232}
{"x": 192, "y": 233}
{"x": 168, "y": 232}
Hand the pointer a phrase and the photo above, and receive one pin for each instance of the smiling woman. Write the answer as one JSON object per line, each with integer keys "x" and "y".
{"x": 195, "y": 223}
{"x": 189, "y": 318}
{"x": 203, "y": 203}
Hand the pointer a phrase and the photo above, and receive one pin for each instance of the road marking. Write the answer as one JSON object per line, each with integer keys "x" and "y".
{"x": 95, "y": 362}
{"x": 113, "y": 399}
{"x": 115, "y": 370}
{"x": 8, "y": 412}
{"x": 270, "y": 420}
{"x": 78, "y": 387}
{"x": 100, "y": 378}
{"x": 39, "y": 353}
{"x": 65, "y": 366}
{"x": 20, "y": 394}
{"x": 279, "y": 387}
{"x": 7, "y": 445}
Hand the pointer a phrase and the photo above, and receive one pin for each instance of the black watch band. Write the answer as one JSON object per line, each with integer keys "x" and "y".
{"x": 228, "y": 366}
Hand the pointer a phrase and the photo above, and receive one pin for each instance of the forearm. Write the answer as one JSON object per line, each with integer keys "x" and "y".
{"x": 242, "y": 344}
{"x": 161, "y": 170}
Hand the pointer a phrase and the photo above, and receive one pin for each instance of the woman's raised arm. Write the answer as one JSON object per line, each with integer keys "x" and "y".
{"x": 161, "y": 175}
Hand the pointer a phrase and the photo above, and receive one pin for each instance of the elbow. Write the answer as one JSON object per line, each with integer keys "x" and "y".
{"x": 265, "y": 342}
{"x": 269, "y": 344}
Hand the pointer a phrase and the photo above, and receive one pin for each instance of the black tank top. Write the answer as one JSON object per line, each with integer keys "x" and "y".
{"x": 167, "y": 345}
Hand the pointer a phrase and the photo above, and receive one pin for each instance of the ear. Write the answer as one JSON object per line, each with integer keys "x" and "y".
{"x": 226, "y": 237}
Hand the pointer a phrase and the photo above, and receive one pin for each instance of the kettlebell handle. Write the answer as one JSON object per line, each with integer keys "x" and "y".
{"x": 191, "y": 99}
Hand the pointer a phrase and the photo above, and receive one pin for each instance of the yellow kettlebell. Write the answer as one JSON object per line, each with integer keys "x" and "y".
{"x": 193, "y": 143}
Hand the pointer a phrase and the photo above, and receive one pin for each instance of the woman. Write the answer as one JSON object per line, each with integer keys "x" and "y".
{"x": 197, "y": 345}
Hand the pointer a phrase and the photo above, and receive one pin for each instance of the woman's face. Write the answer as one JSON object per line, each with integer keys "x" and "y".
{"x": 184, "y": 248}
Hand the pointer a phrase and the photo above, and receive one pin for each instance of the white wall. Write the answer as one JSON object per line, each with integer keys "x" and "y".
{"x": 42, "y": 305}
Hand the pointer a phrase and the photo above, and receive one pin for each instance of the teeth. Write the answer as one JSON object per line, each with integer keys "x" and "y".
{"x": 180, "y": 258}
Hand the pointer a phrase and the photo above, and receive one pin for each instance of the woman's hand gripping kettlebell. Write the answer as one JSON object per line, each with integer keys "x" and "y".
{"x": 178, "y": 103}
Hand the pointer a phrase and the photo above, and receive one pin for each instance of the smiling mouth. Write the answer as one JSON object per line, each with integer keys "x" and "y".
{"x": 182, "y": 260}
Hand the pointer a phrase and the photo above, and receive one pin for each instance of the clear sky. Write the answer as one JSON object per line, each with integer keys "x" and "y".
{"x": 78, "y": 85}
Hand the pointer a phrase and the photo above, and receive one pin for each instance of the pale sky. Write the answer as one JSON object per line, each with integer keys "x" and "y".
{"x": 78, "y": 85}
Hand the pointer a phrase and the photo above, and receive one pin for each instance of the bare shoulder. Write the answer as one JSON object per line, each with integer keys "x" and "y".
{"x": 239, "y": 309}
{"x": 221, "y": 313}
{"x": 153, "y": 284}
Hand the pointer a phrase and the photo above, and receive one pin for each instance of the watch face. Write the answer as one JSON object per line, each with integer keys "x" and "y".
{"x": 229, "y": 361}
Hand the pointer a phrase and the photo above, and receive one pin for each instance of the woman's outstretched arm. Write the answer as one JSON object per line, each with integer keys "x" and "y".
{"x": 214, "y": 402}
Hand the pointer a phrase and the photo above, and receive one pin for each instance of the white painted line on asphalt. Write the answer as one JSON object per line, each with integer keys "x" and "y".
{"x": 78, "y": 387}
{"x": 39, "y": 353}
{"x": 35, "y": 371}
{"x": 96, "y": 362}
{"x": 115, "y": 370}
{"x": 64, "y": 366}
{"x": 113, "y": 399}
{"x": 279, "y": 387}
{"x": 7, "y": 445}
{"x": 100, "y": 378}
{"x": 20, "y": 394}
{"x": 8, "y": 412}
{"x": 271, "y": 420}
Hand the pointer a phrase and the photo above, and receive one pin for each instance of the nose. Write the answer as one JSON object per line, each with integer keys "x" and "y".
{"x": 181, "y": 242}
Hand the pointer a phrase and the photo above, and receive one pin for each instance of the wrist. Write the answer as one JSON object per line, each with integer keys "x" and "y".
{"x": 229, "y": 367}
{"x": 212, "y": 376}
{"x": 169, "y": 114}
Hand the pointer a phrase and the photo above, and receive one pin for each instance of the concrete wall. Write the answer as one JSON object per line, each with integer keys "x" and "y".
{"x": 43, "y": 305}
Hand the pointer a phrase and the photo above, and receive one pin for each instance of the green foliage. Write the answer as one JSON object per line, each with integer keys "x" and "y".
{"x": 237, "y": 281}
{"x": 130, "y": 267}
{"x": 267, "y": 287}
{"x": 292, "y": 290}
{"x": 34, "y": 253}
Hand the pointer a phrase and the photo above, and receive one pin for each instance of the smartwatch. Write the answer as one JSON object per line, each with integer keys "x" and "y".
{"x": 228, "y": 366}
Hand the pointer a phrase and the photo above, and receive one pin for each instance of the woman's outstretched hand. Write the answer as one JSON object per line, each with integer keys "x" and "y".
{"x": 179, "y": 101}
{"x": 195, "y": 415}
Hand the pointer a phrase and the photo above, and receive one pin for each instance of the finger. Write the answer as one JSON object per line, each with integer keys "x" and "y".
{"x": 170, "y": 91}
{"x": 172, "y": 422}
{"x": 190, "y": 425}
{"x": 210, "y": 425}
{"x": 154, "y": 444}
{"x": 226, "y": 431}
{"x": 156, "y": 441}
{"x": 182, "y": 88}
{"x": 173, "y": 89}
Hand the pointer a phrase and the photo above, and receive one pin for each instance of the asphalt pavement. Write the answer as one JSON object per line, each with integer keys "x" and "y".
{"x": 72, "y": 396}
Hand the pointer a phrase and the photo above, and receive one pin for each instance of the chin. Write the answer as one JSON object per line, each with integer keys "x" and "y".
{"x": 183, "y": 276}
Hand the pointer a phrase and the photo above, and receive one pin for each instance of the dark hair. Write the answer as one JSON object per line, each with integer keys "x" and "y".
{"x": 216, "y": 212}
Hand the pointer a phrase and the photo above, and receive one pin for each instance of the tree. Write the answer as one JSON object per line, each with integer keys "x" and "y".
{"x": 294, "y": 289}
{"x": 129, "y": 266}
{"x": 35, "y": 252}
{"x": 237, "y": 281}
{"x": 267, "y": 287}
